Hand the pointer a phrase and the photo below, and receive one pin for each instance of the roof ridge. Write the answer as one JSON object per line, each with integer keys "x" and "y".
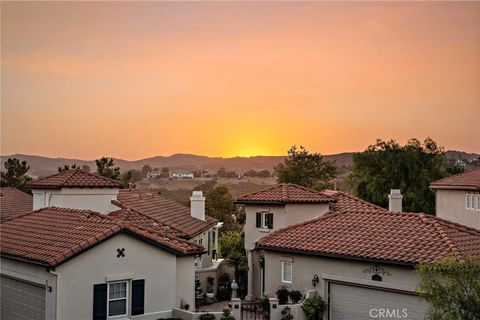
{"x": 440, "y": 230}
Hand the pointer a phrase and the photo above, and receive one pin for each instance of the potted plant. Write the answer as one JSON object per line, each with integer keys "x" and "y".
{"x": 282, "y": 295}
{"x": 314, "y": 308}
{"x": 210, "y": 291}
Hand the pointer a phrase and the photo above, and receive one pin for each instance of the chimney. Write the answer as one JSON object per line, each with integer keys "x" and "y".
{"x": 197, "y": 205}
{"x": 395, "y": 200}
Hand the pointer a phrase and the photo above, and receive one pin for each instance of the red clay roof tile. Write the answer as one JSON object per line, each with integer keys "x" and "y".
{"x": 285, "y": 193}
{"x": 74, "y": 179}
{"x": 380, "y": 235}
{"x": 164, "y": 211}
{"x": 469, "y": 180}
{"x": 348, "y": 202}
{"x": 51, "y": 236}
{"x": 14, "y": 202}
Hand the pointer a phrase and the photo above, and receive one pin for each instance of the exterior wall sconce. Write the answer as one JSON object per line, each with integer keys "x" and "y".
{"x": 315, "y": 280}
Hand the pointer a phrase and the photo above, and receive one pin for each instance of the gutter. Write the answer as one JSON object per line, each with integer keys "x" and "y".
{"x": 337, "y": 256}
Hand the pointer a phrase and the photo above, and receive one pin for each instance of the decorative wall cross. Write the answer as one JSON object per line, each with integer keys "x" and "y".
{"x": 121, "y": 253}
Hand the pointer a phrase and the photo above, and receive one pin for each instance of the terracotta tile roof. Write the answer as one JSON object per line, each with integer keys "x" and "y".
{"x": 348, "y": 202}
{"x": 377, "y": 235}
{"x": 74, "y": 179}
{"x": 51, "y": 236}
{"x": 14, "y": 202}
{"x": 469, "y": 180}
{"x": 163, "y": 211}
{"x": 285, "y": 193}
{"x": 136, "y": 218}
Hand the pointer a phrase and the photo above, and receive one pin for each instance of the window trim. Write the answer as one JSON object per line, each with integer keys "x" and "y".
{"x": 467, "y": 201}
{"x": 478, "y": 202}
{"x": 127, "y": 283}
{"x": 283, "y": 272}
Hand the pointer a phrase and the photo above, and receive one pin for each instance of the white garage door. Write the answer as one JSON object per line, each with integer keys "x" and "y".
{"x": 348, "y": 302}
{"x": 21, "y": 300}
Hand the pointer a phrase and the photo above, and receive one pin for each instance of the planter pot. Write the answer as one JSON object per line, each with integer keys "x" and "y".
{"x": 211, "y": 295}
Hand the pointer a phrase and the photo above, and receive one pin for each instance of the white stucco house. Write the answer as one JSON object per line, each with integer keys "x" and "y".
{"x": 457, "y": 198}
{"x": 118, "y": 253}
{"x": 359, "y": 257}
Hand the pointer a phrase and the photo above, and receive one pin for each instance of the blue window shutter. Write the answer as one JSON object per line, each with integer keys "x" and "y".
{"x": 270, "y": 221}
{"x": 100, "y": 301}
{"x": 138, "y": 297}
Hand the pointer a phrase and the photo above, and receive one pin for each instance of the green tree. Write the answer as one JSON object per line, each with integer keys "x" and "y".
{"x": 219, "y": 203}
{"x": 165, "y": 173}
{"x": 306, "y": 169}
{"x": 232, "y": 250}
{"x": 67, "y": 167}
{"x": 106, "y": 167}
{"x": 224, "y": 173}
{"x": 388, "y": 165}
{"x": 15, "y": 174}
{"x": 146, "y": 169}
{"x": 452, "y": 288}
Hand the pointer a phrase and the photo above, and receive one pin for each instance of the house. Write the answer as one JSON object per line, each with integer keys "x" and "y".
{"x": 14, "y": 202}
{"x": 457, "y": 198}
{"x": 154, "y": 174}
{"x": 104, "y": 234}
{"x": 360, "y": 258}
{"x": 76, "y": 189}
{"x": 59, "y": 263}
{"x": 181, "y": 175}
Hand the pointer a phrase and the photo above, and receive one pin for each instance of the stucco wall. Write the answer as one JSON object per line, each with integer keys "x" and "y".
{"x": 283, "y": 215}
{"x": 305, "y": 267}
{"x": 163, "y": 291}
{"x": 36, "y": 275}
{"x": 96, "y": 199}
{"x": 450, "y": 205}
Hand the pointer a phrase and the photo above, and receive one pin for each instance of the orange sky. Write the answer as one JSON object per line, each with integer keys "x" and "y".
{"x": 133, "y": 80}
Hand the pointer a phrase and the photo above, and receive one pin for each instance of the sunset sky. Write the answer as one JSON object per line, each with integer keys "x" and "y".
{"x": 134, "y": 80}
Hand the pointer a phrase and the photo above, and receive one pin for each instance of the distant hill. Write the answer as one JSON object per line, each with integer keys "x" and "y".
{"x": 43, "y": 166}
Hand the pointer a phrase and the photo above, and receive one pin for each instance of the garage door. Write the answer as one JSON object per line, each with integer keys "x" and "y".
{"x": 21, "y": 300}
{"x": 348, "y": 302}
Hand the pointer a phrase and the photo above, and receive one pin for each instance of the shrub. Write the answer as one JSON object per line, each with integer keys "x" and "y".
{"x": 295, "y": 296}
{"x": 207, "y": 316}
{"x": 286, "y": 315}
{"x": 224, "y": 294}
{"x": 227, "y": 315}
{"x": 264, "y": 303}
{"x": 314, "y": 308}
{"x": 282, "y": 295}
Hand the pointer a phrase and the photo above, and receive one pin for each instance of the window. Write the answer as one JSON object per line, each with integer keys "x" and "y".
{"x": 478, "y": 202}
{"x": 467, "y": 201}
{"x": 264, "y": 220}
{"x": 473, "y": 201}
{"x": 287, "y": 270}
{"x": 117, "y": 298}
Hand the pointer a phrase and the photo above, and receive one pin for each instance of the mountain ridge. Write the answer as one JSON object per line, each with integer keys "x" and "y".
{"x": 42, "y": 166}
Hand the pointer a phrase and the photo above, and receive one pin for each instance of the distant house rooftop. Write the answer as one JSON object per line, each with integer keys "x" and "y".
{"x": 74, "y": 179}
{"x": 14, "y": 202}
{"x": 51, "y": 236}
{"x": 347, "y": 202}
{"x": 285, "y": 193}
{"x": 469, "y": 180}
{"x": 384, "y": 236}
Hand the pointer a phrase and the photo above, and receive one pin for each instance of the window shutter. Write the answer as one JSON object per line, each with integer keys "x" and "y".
{"x": 100, "y": 301}
{"x": 138, "y": 296}
{"x": 259, "y": 219}
{"x": 270, "y": 220}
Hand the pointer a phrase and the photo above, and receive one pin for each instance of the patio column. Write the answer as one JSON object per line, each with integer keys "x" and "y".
{"x": 249, "y": 296}
{"x": 216, "y": 243}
